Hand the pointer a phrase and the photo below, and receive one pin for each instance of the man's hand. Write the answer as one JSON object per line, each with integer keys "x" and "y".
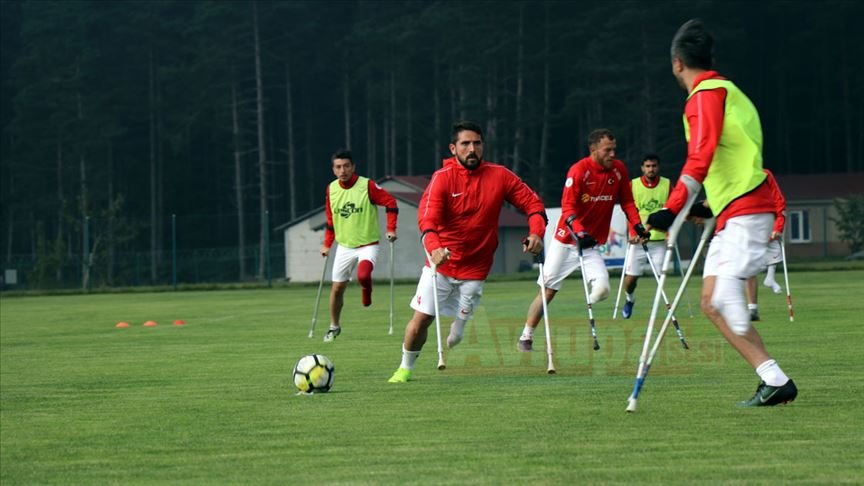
{"x": 439, "y": 256}
{"x": 391, "y": 236}
{"x": 585, "y": 240}
{"x": 661, "y": 220}
{"x": 776, "y": 235}
{"x": 643, "y": 234}
{"x": 532, "y": 244}
{"x": 700, "y": 210}
{"x": 325, "y": 251}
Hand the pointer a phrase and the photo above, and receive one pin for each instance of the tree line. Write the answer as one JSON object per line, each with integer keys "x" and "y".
{"x": 227, "y": 111}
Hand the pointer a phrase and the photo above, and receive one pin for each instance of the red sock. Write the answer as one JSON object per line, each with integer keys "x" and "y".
{"x": 364, "y": 275}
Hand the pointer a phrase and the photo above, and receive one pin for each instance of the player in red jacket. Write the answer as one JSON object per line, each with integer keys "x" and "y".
{"x": 773, "y": 255}
{"x": 593, "y": 186}
{"x": 458, "y": 219}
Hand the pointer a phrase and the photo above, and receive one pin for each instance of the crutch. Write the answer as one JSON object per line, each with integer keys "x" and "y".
{"x": 434, "y": 268}
{"x": 621, "y": 282}
{"x": 786, "y": 277}
{"x": 665, "y": 299}
{"x": 584, "y": 281}
{"x": 550, "y": 366}
{"x": 392, "y": 258}
{"x": 681, "y": 269}
{"x": 693, "y": 189}
{"x": 318, "y": 297}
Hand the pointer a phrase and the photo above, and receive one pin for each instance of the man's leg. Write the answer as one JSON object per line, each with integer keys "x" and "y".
{"x": 470, "y": 292}
{"x": 535, "y": 313}
{"x": 337, "y": 300}
{"x": 416, "y": 333}
{"x": 631, "y": 278}
{"x": 364, "y": 276}
{"x": 749, "y": 344}
{"x": 752, "y": 298}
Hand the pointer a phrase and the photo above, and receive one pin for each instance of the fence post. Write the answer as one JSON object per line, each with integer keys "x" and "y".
{"x": 174, "y": 251}
{"x": 267, "y": 252}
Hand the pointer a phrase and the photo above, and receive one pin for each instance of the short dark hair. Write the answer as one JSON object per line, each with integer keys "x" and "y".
{"x": 694, "y": 45}
{"x": 342, "y": 154}
{"x": 595, "y": 136}
{"x": 651, "y": 157}
{"x": 463, "y": 125}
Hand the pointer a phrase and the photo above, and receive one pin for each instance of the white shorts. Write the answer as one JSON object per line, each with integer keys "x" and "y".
{"x": 456, "y": 298}
{"x": 346, "y": 260}
{"x": 773, "y": 255}
{"x": 637, "y": 260}
{"x": 739, "y": 250}
{"x": 562, "y": 260}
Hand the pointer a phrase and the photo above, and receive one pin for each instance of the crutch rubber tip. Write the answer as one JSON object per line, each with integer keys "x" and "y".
{"x": 311, "y": 334}
{"x": 390, "y": 332}
{"x": 631, "y": 405}
{"x": 551, "y": 371}
{"x": 684, "y": 343}
{"x": 596, "y": 346}
{"x": 441, "y": 367}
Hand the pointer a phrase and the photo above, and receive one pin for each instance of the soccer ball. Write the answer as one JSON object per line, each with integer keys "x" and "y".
{"x": 314, "y": 373}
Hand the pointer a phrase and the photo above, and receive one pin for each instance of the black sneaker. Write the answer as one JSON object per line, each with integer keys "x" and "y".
{"x": 767, "y": 396}
{"x": 754, "y": 315}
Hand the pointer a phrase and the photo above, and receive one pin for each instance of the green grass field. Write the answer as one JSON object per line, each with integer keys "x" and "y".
{"x": 212, "y": 402}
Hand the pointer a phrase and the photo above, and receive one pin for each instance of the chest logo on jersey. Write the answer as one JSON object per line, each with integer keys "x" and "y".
{"x": 603, "y": 197}
{"x": 348, "y": 209}
{"x": 651, "y": 206}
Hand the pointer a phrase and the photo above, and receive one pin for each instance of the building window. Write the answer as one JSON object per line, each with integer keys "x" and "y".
{"x": 799, "y": 226}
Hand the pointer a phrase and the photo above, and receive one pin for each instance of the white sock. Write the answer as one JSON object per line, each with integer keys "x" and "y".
{"x": 527, "y": 333}
{"x": 457, "y": 330}
{"x": 771, "y": 373}
{"x": 630, "y": 297}
{"x": 334, "y": 326}
{"x": 409, "y": 358}
{"x": 752, "y": 307}
{"x": 769, "y": 275}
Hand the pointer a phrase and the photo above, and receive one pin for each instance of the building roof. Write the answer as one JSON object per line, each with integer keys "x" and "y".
{"x": 801, "y": 187}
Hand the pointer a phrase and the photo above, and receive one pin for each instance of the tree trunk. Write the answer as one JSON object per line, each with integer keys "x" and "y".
{"x": 544, "y": 131}
{"x": 111, "y": 216}
{"x": 61, "y": 199}
{"x": 238, "y": 183}
{"x": 153, "y": 165}
{"x": 289, "y": 123}
{"x": 436, "y": 101}
{"x": 346, "y": 106}
{"x": 409, "y": 139}
{"x": 520, "y": 61}
{"x": 262, "y": 155}
{"x": 370, "y": 133}
{"x": 83, "y": 204}
{"x": 492, "y": 110}
{"x": 393, "y": 156}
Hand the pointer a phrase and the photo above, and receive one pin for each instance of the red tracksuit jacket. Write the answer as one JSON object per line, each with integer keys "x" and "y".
{"x": 459, "y": 211}
{"x": 590, "y": 192}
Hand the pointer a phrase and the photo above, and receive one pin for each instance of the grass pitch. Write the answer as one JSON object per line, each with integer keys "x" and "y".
{"x": 212, "y": 401}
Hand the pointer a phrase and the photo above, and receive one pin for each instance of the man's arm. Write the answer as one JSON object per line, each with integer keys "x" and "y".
{"x": 705, "y": 113}
{"x": 329, "y": 232}
{"x": 570, "y": 197}
{"x": 380, "y": 197}
{"x": 779, "y": 205}
{"x": 430, "y": 213}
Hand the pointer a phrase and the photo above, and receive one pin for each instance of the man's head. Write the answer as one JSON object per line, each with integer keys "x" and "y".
{"x": 466, "y": 144}
{"x": 601, "y": 144}
{"x": 651, "y": 166}
{"x": 692, "y": 48}
{"x": 343, "y": 165}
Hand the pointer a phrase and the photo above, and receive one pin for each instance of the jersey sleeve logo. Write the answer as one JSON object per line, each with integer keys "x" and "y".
{"x": 568, "y": 182}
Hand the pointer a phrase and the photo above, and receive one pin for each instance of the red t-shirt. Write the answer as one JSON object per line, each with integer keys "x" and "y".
{"x": 590, "y": 192}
